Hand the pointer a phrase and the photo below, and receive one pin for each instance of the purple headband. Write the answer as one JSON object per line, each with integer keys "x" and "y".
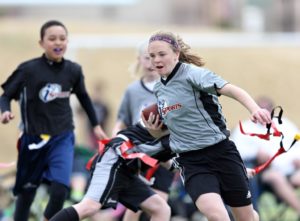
{"x": 165, "y": 39}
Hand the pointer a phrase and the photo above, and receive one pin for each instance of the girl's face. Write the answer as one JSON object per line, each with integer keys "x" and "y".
{"x": 147, "y": 68}
{"x": 54, "y": 43}
{"x": 163, "y": 57}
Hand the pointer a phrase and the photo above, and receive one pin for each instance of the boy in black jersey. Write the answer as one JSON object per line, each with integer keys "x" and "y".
{"x": 43, "y": 86}
{"x": 114, "y": 179}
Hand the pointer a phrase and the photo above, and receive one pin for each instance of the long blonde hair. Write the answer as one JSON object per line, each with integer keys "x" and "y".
{"x": 135, "y": 67}
{"x": 177, "y": 44}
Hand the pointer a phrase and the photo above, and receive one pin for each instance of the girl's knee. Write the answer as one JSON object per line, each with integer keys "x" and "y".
{"x": 255, "y": 216}
{"x": 156, "y": 205}
{"x": 161, "y": 206}
{"x": 217, "y": 217}
{"x": 87, "y": 208}
{"x": 245, "y": 214}
{"x": 161, "y": 211}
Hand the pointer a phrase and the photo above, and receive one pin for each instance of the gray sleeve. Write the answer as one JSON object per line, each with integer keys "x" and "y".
{"x": 205, "y": 80}
{"x": 149, "y": 149}
{"x": 124, "y": 113}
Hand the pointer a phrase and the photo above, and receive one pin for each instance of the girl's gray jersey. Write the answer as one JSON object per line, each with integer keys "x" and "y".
{"x": 137, "y": 96}
{"x": 189, "y": 106}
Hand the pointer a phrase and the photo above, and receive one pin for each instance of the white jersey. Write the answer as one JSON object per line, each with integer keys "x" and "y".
{"x": 189, "y": 106}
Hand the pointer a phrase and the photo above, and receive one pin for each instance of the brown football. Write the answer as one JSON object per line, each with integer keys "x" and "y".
{"x": 151, "y": 108}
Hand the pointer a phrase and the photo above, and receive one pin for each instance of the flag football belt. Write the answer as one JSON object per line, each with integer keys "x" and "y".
{"x": 123, "y": 151}
{"x": 276, "y": 133}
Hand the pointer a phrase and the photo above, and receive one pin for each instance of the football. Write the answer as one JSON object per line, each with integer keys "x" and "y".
{"x": 151, "y": 108}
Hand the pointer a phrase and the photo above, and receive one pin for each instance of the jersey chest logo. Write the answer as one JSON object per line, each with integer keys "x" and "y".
{"x": 52, "y": 91}
{"x": 164, "y": 108}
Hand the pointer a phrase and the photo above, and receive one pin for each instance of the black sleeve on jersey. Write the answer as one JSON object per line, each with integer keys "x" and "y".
{"x": 4, "y": 104}
{"x": 83, "y": 97}
{"x": 12, "y": 88}
{"x": 137, "y": 134}
{"x": 87, "y": 105}
{"x": 13, "y": 85}
{"x": 166, "y": 154}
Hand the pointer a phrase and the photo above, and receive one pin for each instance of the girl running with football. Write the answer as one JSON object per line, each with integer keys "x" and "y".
{"x": 187, "y": 95}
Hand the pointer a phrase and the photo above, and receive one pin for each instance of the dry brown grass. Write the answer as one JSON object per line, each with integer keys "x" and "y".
{"x": 268, "y": 71}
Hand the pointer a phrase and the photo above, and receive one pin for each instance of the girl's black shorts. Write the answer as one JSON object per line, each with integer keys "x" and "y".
{"x": 216, "y": 169}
